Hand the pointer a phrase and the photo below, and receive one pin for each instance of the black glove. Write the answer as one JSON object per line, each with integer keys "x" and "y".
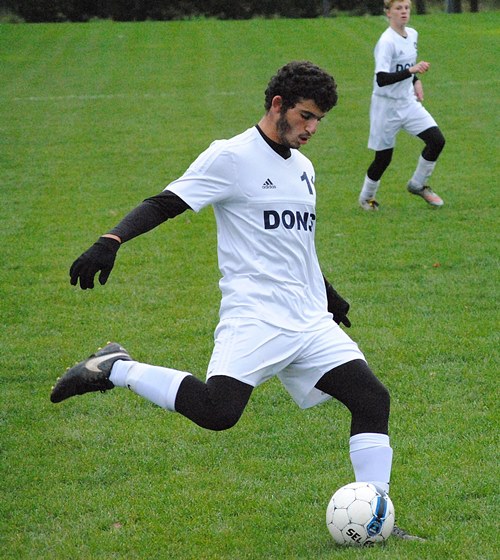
{"x": 100, "y": 257}
{"x": 337, "y": 305}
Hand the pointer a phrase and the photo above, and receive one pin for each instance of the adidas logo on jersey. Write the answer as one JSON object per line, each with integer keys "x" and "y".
{"x": 268, "y": 184}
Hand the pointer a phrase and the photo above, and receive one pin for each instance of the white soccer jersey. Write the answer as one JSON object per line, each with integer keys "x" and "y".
{"x": 265, "y": 211}
{"x": 394, "y": 53}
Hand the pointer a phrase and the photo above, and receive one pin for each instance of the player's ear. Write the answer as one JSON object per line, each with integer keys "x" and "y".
{"x": 277, "y": 103}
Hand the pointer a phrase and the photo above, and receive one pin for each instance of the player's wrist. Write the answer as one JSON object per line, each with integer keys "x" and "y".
{"x": 110, "y": 243}
{"x": 112, "y": 236}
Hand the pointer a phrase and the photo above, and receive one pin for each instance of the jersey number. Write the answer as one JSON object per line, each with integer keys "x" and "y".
{"x": 305, "y": 178}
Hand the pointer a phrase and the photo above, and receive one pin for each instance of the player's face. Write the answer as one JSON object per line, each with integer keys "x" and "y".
{"x": 399, "y": 13}
{"x": 295, "y": 127}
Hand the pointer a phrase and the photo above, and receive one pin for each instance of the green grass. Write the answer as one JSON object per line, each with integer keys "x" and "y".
{"x": 94, "y": 118}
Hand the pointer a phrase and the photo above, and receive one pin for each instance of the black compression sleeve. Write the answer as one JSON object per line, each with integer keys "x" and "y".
{"x": 327, "y": 284}
{"x": 388, "y": 78}
{"x": 150, "y": 213}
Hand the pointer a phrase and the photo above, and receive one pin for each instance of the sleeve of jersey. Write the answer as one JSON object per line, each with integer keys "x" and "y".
{"x": 383, "y": 56}
{"x": 210, "y": 179}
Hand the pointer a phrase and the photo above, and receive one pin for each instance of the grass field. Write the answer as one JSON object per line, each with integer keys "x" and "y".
{"x": 94, "y": 118}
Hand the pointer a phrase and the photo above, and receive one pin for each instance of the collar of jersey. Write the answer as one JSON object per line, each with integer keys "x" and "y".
{"x": 281, "y": 150}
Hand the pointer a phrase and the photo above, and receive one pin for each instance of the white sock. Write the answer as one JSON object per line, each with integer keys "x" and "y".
{"x": 369, "y": 189}
{"x": 157, "y": 384}
{"x": 422, "y": 172}
{"x": 371, "y": 458}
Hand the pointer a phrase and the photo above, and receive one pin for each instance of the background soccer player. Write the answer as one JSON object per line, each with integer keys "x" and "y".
{"x": 396, "y": 105}
{"x": 276, "y": 309}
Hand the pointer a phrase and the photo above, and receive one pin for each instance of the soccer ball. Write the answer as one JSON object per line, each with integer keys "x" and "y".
{"x": 359, "y": 515}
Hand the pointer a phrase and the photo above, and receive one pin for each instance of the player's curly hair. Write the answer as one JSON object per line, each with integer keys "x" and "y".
{"x": 299, "y": 80}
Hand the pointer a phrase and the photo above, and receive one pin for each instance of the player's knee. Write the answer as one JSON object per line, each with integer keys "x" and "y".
{"x": 221, "y": 420}
{"x": 381, "y": 399}
{"x": 437, "y": 145}
{"x": 375, "y": 402}
{"x": 216, "y": 405}
{"x": 434, "y": 143}
{"x": 440, "y": 143}
{"x": 375, "y": 395}
{"x": 372, "y": 412}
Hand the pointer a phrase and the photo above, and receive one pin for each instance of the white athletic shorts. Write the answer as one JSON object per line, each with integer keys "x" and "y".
{"x": 253, "y": 352}
{"x": 389, "y": 116}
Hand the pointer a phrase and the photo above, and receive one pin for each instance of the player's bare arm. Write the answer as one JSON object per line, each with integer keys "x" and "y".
{"x": 419, "y": 90}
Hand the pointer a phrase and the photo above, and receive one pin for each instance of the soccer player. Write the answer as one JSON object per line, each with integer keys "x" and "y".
{"x": 277, "y": 308}
{"x": 396, "y": 105}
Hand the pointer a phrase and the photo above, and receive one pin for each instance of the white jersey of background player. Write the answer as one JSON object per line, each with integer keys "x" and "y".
{"x": 396, "y": 105}
{"x": 276, "y": 309}
{"x": 395, "y": 53}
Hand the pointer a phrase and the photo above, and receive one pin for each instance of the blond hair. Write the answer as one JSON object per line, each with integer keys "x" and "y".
{"x": 388, "y": 3}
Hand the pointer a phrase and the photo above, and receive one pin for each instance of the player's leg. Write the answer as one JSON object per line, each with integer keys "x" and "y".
{"x": 355, "y": 386}
{"x": 384, "y": 126}
{"x": 216, "y": 405}
{"x": 349, "y": 380}
{"x": 371, "y": 183}
{"x": 419, "y": 122}
{"x": 246, "y": 353}
{"x": 434, "y": 143}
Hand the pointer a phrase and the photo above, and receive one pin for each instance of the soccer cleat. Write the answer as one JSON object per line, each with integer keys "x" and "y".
{"x": 369, "y": 204}
{"x": 402, "y": 534}
{"x": 90, "y": 375}
{"x": 427, "y": 194}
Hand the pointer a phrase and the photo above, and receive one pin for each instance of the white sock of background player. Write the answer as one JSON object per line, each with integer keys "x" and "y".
{"x": 369, "y": 189}
{"x": 422, "y": 173}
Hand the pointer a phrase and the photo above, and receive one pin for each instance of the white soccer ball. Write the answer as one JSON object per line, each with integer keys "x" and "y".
{"x": 359, "y": 515}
